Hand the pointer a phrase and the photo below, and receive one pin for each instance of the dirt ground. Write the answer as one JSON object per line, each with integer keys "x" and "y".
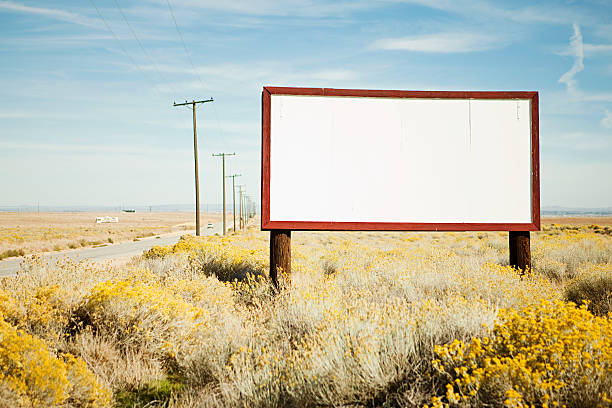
{"x": 603, "y": 221}
{"x": 88, "y": 219}
{"x": 27, "y": 233}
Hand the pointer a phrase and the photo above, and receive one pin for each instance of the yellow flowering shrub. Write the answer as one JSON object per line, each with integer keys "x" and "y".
{"x": 216, "y": 256}
{"x": 205, "y": 290}
{"x": 559, "y": 251}
{"x": 157, "y": 251}
{"x": 31, "y": 376}
{"x": 8, "y": 305}
{"x": 594, "y": 286}
{"x": 29, "y": 372}
{"x": 85, "y": 389}
{"x": 44, "y": 313}
{"x": 142, "y": 315}
{"x": 355, "y": 323}
{"x": 550, "y": 354}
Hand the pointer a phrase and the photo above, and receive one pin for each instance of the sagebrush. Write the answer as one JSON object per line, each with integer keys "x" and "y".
{"x": 366, "y": 319}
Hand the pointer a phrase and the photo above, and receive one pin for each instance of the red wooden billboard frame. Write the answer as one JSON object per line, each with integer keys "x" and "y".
{"x": 268, "y": 225}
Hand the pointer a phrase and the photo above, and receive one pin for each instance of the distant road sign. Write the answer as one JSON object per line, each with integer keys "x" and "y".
{"x": 345, "y": 159}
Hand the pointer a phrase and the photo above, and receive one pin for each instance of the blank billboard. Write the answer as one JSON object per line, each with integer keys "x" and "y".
{"x": 399, "y": 160}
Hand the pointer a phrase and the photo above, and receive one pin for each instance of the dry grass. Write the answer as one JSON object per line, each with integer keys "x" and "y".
{"x": 578, "y": 221}
{"x": 593, "y": 285}
{"x": 356, "y": 325}
{"x": 31, "y": 233}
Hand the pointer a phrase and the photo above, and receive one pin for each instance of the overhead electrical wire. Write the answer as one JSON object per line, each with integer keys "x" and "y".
{"x": 143, "y": 49}
{"x": 123, "y": 49}
{"x": 195, "y": 71}
{"x": 178, "y": 30}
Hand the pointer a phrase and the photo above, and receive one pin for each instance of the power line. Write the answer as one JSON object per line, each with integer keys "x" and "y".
{"x": 127, "y": 54}
{"x": 221, "y": 132}
{"x": 184, "y": 45}
{"x": 142, "y": 47}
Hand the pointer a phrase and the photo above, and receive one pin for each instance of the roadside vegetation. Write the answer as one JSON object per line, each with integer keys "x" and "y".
{"x": 366, "y": 320}
{"x": 32, "y": 233}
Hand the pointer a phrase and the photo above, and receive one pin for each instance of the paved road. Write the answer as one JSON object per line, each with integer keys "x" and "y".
{"x": 120, "y": 250}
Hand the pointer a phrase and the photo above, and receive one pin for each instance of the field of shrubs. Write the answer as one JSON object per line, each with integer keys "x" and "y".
{"x": 366, "y": 320}
{"x": 31, "y": 233}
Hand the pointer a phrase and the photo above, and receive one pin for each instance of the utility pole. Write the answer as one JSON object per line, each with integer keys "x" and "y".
{"x": 246, "y": 211}
{"x": 240, "y": 201}
{"x": 233, "y": 176}
{"x": 223, "y": 156}
{"x": 245, "y": 214}
{"x": 195, "y": 156}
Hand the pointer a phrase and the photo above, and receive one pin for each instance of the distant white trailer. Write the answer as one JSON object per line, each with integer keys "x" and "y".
{"x": 100, "y": 220}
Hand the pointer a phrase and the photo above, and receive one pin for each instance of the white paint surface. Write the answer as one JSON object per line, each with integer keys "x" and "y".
{"x": 357, "y": 159}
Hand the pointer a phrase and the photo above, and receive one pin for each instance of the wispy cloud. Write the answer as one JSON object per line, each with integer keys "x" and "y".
{"x": 331, "y": 75}
{"x": 580, "y": 141}
{"x": 440, "y": 43}
{"x": 225, "y": 127}
{"x": 51, "y": 13}
{"x": 305, "y": 8}
{"x": 91, "y": 148}
{"x": 30, "y": 114}
{"x": 256, "y": 73}
{"x": 322, "y": 8}
{"x": 488, "y": 10}
{"x": 589, "y": 50}
{"x": 606, "y": 121}
{"x": 14, "y": 115}
{"x": 577, "y": 51}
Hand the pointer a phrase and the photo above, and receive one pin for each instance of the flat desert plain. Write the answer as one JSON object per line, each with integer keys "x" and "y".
{"x": 604, "y": 221}
{"x": 364, "y": 319}
{"x": 28, "y": 233}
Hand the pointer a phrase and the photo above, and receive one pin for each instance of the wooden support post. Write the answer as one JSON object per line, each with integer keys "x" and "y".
{"x": 280, "y": 254}
{"x": 520, "y": 251}
{"x": 197, "y": 179}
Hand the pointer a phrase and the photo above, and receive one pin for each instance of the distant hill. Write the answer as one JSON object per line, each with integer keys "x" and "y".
{"x": 576, "y": 211}
{"x": 117, "y": 208}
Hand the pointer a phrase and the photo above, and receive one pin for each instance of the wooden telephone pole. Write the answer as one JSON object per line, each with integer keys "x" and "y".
{"x": 223, "y": 156}
{"x": 240, "y": 217}
{"x": 247, "y": 199}
{"x": 233, "y": 176}
{"x": 195, "y": 155}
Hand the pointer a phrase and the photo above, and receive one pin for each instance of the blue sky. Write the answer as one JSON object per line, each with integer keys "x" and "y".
{"x": 86, "y": 114}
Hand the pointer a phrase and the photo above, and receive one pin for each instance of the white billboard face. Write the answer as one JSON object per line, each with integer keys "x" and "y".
{"x": 400, "y": 163}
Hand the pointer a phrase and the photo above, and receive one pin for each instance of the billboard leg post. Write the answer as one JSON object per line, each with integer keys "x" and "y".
{"x": 520, "y": 250}
{"x": 280, "y": 254}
